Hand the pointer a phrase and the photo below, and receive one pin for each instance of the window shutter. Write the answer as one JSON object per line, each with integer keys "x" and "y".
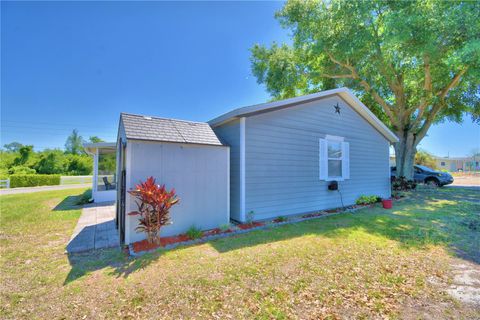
{"x": 323, "y": 162}
{"x": 346, "y": 160}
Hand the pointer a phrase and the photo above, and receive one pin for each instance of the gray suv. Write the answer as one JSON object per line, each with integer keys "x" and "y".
{"x": 428, "y": 176}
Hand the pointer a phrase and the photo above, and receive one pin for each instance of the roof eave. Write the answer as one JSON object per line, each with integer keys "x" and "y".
{"x": 343, "y": 92}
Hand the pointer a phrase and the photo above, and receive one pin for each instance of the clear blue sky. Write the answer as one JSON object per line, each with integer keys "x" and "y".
{"x": 68, "y": 65}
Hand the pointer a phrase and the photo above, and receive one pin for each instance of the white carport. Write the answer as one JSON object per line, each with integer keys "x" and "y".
{"x": 104, "y": 180}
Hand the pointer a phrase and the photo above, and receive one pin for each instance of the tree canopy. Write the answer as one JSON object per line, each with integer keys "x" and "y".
{"x": 95, "y": 139}
{"x": 424, "y": 158}
{"x": 413, "y": 63}
{"x": 74, "y": 143}
{"x": 13, "y": 146}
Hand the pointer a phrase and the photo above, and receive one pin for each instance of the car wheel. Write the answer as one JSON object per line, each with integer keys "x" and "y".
{"x": 432, "y": 182}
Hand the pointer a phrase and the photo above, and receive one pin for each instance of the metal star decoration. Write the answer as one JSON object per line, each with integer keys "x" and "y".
{"x": 337, "y": 108}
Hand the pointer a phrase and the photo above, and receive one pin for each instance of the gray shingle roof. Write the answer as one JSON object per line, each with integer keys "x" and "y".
{"x": 168, "y": 130}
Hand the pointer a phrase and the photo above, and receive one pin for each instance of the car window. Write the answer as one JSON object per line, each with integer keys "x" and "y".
{"x": 424, "y": 168}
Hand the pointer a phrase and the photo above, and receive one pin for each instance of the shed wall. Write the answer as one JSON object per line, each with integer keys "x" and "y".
{"x": 199, "y": 174}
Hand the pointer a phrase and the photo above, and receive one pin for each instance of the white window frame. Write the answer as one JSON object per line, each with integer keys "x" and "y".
{"x": 345, "y": 158}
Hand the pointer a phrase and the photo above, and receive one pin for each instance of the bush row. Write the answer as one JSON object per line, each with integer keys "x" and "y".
{"x": 32, "y": 180}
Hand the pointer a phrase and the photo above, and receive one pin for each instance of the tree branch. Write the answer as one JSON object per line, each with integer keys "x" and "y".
{"x": 339, "y": 76}
{"x": 440, "y": 105}
{"x": 427, "y": 87}
{"x": 456, "y": 79}
{"x": 354, "y": 75}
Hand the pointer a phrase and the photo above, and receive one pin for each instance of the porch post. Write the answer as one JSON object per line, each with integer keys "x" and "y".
{"x": 95, "y": 175}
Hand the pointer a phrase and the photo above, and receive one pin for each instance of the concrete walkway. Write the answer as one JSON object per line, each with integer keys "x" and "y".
{"x": 44, "y": 188}
{"x": 95, "y": 229}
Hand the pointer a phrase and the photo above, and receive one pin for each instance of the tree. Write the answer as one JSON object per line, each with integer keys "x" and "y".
{"x": 413, "y": 63}
{"x": 50, "y": 162}
{"x": 74, "y": 143}
{"x": 424, "y": 158}
{"x": 78, "y": 165}
{"x": 25, "y": 153}
{"x": 95, "y": 139}
{"x": 13, "y": 146}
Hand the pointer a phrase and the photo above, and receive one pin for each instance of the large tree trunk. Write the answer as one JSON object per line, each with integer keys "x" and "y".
{"x": 405, "y": 151}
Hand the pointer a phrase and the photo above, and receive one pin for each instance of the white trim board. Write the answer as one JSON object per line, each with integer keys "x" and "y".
{"x": 242, "y": 168}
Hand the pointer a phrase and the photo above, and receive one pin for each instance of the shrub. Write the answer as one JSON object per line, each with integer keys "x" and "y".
{"x": 84, "y": 198}
{"x": 32, "y": 180}
{"x": 225, "y": 227}
{"x": 50, "y": 162}
{"x": 363, "y": 199}
{"x": 21, "y": 170}
{"x": 154, "y": 203}
{"x": 281, "y": 219}
{"x": 194, "y": 233}
{"x": 402, "y": 184}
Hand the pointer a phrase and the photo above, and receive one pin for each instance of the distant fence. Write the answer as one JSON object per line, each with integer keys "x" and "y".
{"x": 75, "y": 180}
{"x": 5, "y": 183}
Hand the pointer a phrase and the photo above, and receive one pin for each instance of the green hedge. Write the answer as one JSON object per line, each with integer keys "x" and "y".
{"x": 32, "y": 180}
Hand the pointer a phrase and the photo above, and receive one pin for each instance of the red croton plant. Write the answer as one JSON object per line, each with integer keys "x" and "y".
{"x": 154, "y": 203}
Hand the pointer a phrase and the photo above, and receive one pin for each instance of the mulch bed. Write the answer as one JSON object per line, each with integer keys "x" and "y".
{"x": 246, "y": 226}
{"x": 144, "y": 245}
{"x": 312, "y": 215}
{"x": 215, "y": 231}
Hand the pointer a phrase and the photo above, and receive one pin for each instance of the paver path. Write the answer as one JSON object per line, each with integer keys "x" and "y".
{"x": 44, "y": 188}
{"x": 95, "y": 229}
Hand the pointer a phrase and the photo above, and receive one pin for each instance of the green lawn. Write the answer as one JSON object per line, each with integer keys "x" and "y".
{"x": 370, "y": 264}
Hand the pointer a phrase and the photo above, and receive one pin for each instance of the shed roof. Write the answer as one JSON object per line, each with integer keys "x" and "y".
{"x": 344, "y": 93}
{"x": 140, "y": 127}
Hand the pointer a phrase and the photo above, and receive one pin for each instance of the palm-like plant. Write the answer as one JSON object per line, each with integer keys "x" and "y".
{"x": 154, "y": 203}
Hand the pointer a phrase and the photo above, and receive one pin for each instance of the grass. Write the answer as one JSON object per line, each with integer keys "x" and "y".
{"x": 75, "y": 180}
{"x": 370, "y": 264}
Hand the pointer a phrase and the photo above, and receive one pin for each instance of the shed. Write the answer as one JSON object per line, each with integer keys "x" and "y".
{"x": 285, "y": 154}
{"x": 184, "y": 155}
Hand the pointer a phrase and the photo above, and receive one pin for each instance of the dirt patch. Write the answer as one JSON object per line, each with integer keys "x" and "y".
{"x": 466, "y": 282}
{"x": 466, "y": 180}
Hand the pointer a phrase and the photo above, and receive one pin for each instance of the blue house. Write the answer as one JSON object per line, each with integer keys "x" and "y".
{"x": 285, "y": 154}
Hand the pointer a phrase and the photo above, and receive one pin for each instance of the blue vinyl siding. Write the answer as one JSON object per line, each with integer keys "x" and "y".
{"x": 282, "y": 159}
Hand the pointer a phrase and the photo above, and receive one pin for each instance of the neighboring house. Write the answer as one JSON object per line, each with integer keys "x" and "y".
{"x": 453, "y": 164}
{"x": 284, "y": 154}
{"x": 281, "y": 159}
{"x": 183, "y": 155}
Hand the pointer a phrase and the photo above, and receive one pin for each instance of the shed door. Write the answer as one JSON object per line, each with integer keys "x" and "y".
{"x": 120, "y": 219}
{"x": 122, "y": 207}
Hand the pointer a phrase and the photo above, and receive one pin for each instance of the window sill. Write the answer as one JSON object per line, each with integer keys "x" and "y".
{"x": 335, "y": 179}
